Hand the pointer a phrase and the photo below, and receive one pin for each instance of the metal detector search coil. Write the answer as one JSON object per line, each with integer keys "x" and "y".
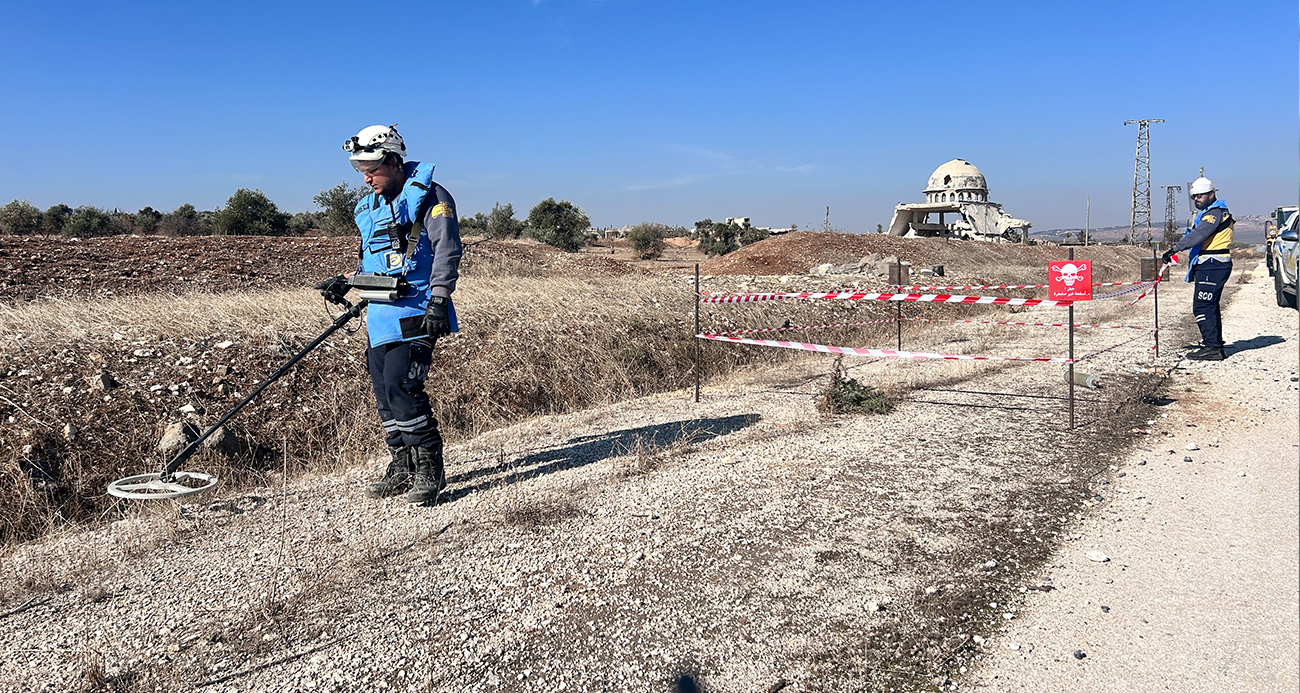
{"x": 155, "y": 487}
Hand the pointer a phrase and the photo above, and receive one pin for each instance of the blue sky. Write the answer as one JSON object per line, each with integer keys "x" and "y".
{"x": 666, "y": 111}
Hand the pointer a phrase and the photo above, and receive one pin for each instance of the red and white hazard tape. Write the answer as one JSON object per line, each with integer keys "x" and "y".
{"x": 865, "y": 296}
{"x": 882, "y": 353}
{"x": 999, "y": 286}
{"x": 1036, "y": 324}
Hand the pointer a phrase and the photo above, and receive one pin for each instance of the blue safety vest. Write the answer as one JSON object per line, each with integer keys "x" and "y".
{"x": 394, "y": 243}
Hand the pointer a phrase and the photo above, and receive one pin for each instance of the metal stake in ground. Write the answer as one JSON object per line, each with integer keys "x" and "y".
{"x": 898, "y": 307}
{"x": 1070, "y": 379}
{"x": 1155, "y": 298}
{"x": 167, "y": 483}
{"x": 697, "y": 331}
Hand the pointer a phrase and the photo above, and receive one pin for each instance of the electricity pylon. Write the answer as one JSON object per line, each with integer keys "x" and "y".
{"x": 1142, "y": 178}
{"x": 1171, "y": 201}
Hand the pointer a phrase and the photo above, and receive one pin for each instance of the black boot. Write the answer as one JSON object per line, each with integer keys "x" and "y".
{"x": 1208, "y": 354}
{"x": 397, "y": 478}
{"x": 429, "y": 479}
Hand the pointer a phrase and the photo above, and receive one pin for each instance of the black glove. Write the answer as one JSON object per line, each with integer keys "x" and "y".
{"x": 436, "y": 321}
{"x": 1167, "y": 257}
{"x": 334, "y": 288}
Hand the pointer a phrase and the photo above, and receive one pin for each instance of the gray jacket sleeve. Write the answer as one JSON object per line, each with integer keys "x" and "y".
{"x": 443, "y": 230}
{"x": 1213, "y": 220}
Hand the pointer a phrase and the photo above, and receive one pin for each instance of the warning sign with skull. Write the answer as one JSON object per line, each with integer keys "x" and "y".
{"x": 1069, "y": 280}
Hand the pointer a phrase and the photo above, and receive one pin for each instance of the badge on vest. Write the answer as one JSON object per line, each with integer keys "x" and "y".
{"x": 394, "y": 260}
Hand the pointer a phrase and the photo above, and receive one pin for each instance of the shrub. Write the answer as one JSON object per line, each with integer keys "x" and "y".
{"x": 720, "y": 239}
{"x": 337, "y": 205}
{"x": 146, "y": 220}
{"x": 55, "y": 218}
{"x": 87, "y": 221}
{"x": 561, "y": 224}
{"x": 648, "y": 239}
{"x": 20, "y": 218}
{"x": 845, "y": 395}
{"x": 475, "y": 225}
{"x": 185, "y": 220}
{"x": 250, "y": 213}
{"x": 501, "y": 222}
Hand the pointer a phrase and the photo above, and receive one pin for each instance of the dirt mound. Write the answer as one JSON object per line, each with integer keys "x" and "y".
{"x": 796, "y": 253}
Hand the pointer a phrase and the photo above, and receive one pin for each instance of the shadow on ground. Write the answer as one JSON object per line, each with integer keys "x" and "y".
{"x": 583, "y": 450}
{"x": 1260, "y": 342}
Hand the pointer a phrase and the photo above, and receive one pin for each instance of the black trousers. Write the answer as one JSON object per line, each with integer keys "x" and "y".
{"x": 397, "y": 372}
{"x": 1208, "y": 279}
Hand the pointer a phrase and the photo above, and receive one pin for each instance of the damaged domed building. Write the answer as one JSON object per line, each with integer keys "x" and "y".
{"x": 957, "y": 206}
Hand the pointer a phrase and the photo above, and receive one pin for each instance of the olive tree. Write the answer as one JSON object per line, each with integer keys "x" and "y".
{"x": 20, "y": 218}
{"x": 338, "y": 204}
{"x": 250, "y": 213}
{"x": 561, "y": 224}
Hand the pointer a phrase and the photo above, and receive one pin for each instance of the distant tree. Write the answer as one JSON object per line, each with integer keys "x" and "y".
{"x": 306, "y": 223}
{"x": 55, "y": 218}
{"x": 146, "y": 220}
{"x": 561, "y": 224}
{"x": 750, "y": 234}
{"x": 880, "y": 228}
{"x": 475, "y": 225}
{"x": 183, "y": 221}
{"x": 87, "y": 222}
{"x": 20, "y": 218}
{"x": 717, "y": 238}
{"x": 702, "y": 228}
{"x": 501, "y": 222}
{"x": 337, "y": 205}
{"x": 648, "y": 239}
{"x": 250, "y": 213}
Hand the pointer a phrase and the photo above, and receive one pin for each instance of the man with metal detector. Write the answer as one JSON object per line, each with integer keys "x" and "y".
{"x": 409, "y": 259}
{"x": 1208, "y": 265}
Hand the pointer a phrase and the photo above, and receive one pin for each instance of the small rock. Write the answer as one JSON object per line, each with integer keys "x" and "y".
{"x": 1098, "y": 557}
{"x": 1080, "y": 654}
{"x": 142, "y": 353}
{"x": 1105, "y": 609}
{"x": 222, "y": 370}
{"x": 69, "y": 432}
{"x": 225, "y": 442}
{"x": 873, "y": 607}
{"x": 1187, "y": 458}
{"x": 224, "y": 345}
{"x": 991, "y": 564}
{"x": 979, "y": 640}
{"x": 177, "y": 436}
{"x": 102, "y": 381}
{"x": 931, "y": 590}
{"x": 1191, "y": 446}
{"x": 188, "y": 409}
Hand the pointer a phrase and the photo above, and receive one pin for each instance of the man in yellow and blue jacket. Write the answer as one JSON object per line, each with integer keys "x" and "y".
{"x": 1209, "y": 263}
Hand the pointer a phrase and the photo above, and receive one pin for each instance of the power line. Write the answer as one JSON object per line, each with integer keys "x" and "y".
{"x": 1142, "y": 178}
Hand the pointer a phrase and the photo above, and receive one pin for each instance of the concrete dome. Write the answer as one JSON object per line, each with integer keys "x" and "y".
{"x": 957, "y": 179}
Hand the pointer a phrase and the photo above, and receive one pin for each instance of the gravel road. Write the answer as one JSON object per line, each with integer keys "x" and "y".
{"x": 744, "y": 543}
{"x": 1200, "y": 589}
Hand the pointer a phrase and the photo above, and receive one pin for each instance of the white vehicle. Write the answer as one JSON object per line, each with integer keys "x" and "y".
{"x": 1284, "y": 263}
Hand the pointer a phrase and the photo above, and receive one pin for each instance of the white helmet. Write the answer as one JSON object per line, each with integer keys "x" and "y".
{"x": 372, "y": 144}
{"x": 1201, "y": 186}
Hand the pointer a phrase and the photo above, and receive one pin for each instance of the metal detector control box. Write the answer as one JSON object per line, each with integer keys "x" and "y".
{"x": 378, "y": 287}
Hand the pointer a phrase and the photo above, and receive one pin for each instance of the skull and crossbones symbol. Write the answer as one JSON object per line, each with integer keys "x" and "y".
{"x": 1069, "y": 273}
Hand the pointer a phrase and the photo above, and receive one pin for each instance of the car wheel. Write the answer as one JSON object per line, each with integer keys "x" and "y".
{"x": 1284, "y": 299}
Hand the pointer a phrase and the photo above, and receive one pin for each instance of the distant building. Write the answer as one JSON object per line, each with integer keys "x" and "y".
{"x": 957, "y": 188}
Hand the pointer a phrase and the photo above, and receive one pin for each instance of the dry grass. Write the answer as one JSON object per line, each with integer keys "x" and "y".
{"x": 529, "y": 345}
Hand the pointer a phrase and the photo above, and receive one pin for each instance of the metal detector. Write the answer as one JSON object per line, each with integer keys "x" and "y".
{"x": 170, "y": 483}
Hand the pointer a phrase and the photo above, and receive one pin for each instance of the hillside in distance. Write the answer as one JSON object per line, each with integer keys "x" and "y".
{"x": 1248, "y": 229}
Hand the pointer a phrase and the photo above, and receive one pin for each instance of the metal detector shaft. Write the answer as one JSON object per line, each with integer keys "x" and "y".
{"x": 351, "y": 312}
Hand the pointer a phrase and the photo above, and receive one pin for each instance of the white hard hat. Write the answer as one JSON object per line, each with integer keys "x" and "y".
{"x": 1201, "y": 186}
{"x": 372, "y": 143}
